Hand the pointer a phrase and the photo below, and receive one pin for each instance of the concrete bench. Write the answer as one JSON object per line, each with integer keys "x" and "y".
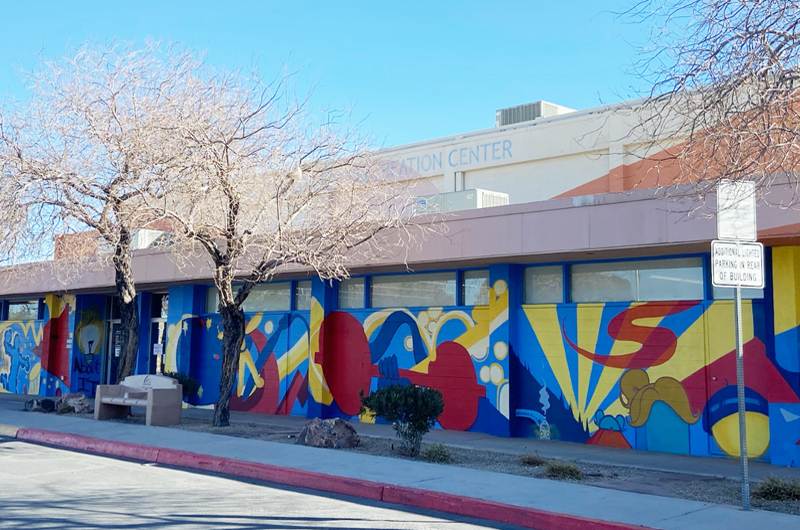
{"x": 161, "y": 396}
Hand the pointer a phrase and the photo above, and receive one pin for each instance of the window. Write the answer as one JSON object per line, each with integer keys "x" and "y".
{"x": 302, "y": 295}
{"x": 624, "y": 281}
{"x": 544, "y": 285}
{"x": 729, "y": 293}
{"x": 23, "y": 310}
{"x": 159, "y": 305}
{"x": 414, "y": 290}
{"x": 269, "y": 297}
{"x": 475, "y": 289}
{"x": 212, "y": 300}
{"x": 351, "y": 293}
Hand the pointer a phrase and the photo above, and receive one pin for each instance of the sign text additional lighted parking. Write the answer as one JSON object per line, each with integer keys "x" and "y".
{"x": 735, "y": 264}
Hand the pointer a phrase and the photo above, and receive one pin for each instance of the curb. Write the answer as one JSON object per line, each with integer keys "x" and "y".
{"x": 365, "y": 489}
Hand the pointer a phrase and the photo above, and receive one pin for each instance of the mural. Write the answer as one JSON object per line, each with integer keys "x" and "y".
{"x": 449, "y": 350}
{"x": 648, "y": 376}
{"x": 273, "y": 363}
{"x": 34, "y": 357}
{"x": 658, "y": 376}
{"x": 88, "y": 348}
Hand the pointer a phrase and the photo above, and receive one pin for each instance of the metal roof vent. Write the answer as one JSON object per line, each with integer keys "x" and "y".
{"x": 528, "y": 112}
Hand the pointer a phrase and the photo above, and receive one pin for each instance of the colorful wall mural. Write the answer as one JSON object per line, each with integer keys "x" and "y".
{"x": 273, "y": 363}
{"x": 450, "y": 350}
{"x": 34, "y": 354}
{"x": 658, "y": 376}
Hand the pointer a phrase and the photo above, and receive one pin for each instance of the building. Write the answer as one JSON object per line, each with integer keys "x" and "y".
{"x": 582, "y": 310}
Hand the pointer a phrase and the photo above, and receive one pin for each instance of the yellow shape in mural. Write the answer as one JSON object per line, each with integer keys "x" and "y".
{"x": 726, "y": 434}
{"x": 316, "y": 379}
{"x": 544, "y": 322}
{"x": 786, "y": 291}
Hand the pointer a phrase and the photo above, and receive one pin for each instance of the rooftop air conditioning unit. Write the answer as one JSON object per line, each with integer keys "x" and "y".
{"x": 459, "y": 200}
{"x": 528, "y": 112}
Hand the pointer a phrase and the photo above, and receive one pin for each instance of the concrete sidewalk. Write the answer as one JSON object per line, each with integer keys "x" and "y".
{"x": 531, "y": 502}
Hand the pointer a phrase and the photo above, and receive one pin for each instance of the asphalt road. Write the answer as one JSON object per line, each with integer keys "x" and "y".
{"x": 47, "y": 488}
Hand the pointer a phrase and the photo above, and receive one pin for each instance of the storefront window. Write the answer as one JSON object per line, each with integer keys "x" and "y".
{"x": 625, "y": 281}
{"x": 418, "y": 290}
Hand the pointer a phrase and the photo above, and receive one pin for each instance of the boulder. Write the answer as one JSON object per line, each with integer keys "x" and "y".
{"x": 64, "y": 408}
{"x": 79, "y": 402}
{"x": 334, "y": 433}
{"x": 40, "y": 405}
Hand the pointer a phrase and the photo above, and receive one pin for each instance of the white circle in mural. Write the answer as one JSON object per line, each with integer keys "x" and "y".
{"x": 496, "y": 373}
{"x": 432, "y": 326}
{"x": 479, "y": 352}
{"x": 500, "y": 350}
{"x": 485, "y": 376}
{"x": 423, "y": 318}
{"x": 502, "y": 400}
{"x": 500, "y": 287}
{"x": 268, "y": 327}
{"x": 409, "y": 343}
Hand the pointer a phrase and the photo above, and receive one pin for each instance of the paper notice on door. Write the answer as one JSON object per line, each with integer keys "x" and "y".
{"x": 158, "y": 349}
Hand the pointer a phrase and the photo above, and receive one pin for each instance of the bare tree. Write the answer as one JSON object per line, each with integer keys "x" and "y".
{"x": 724, "y": 78}
{"x": 78, "y": 156}
{"x": 267, "y": 186}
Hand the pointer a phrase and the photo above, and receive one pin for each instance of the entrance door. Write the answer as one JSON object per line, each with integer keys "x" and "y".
{"x": 158, "y": 345}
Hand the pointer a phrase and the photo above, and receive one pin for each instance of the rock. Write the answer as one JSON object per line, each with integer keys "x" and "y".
{"x": 79, "y": 402}
{"x": 333, "y": 433}
{"x": 40, "y": 405}
{"x": 64, "y": 408}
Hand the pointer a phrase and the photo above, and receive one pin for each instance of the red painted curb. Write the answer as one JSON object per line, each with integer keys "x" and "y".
{"x": 496, "y": 511}
{"x": 91, "y": 445}
{"x": 280, "y": 475}
{"x": 376, "y": 491}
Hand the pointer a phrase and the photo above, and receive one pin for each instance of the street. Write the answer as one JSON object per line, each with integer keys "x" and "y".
{"x": 47, "y": 488}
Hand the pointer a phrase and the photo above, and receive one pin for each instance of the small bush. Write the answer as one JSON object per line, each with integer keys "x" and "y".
{"x": 563, "y": 471}
{"x": 532, "y": 460}
{"x": 778, "y": 489}
{"x": 411, "y": 409}
{"x": 437, "y": 453}
{"x": 190, "y": 384}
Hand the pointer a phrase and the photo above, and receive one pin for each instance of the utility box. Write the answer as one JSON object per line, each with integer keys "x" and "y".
{"x": 459, "y": 200}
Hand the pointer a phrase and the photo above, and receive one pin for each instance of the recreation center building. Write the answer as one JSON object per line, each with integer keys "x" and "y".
{"x": 569, "y": 299}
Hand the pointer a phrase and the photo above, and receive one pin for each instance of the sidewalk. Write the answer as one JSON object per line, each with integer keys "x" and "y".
{"x": 525, "y": 501}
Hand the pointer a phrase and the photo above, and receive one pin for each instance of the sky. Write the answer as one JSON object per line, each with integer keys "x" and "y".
{"x": 410, "y": 70}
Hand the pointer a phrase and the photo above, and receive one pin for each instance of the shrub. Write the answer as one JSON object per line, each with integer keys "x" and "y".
{"x": 190, "y": 384}
{"x": 778, "y": 489}
{"x": 437, "y": 453}
{"x": 563, "y": 471}
{"x": 411, "y": 409}
{"x": 532, "y": 460}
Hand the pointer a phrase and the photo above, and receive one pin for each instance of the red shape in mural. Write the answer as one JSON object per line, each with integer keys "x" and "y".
{"x": 349, "y": 370}
{"x": 608, "y": 438}
{"x": 54, "y": 351}
{"x": 760, "y": 375}
{"x": 266, "y": 398}
{"x": 658, "y": 343}
{"x": 298, "y": 390}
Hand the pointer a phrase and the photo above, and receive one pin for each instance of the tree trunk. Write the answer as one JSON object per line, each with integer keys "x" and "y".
{"x": 129, "y": 316}
{"x": 128, "y": 306}
{"x": 232, "y": 337}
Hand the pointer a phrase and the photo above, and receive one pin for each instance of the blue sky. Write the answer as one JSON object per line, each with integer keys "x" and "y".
{"x": 412, "y": 70}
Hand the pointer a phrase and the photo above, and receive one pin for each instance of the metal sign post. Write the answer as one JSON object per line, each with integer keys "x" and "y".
{"x": 738, "y": 263}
